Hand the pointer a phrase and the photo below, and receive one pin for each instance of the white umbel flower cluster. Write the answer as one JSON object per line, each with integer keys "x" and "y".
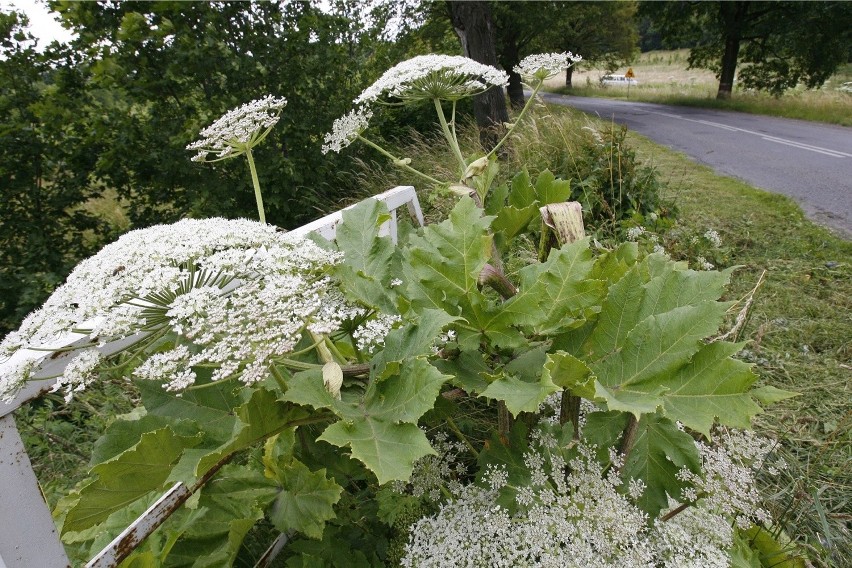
{"x": 730, "y": 469}
{"x": 370, "y": 336}
{"x": 235, "y": 294}
{"x": 541, "y": 66}
{"x": 575, "y": 520}
{"x": 433, "y": 473}
{"x": 713, "y": 238}
{"x": 573, "y": 514}
{"x": 78, "y": 374}
{"x": 425, "y": 77}
{"x": 346, "y": 129}
{"x": 633, "y": 233}
{"x": 238, "y": 129}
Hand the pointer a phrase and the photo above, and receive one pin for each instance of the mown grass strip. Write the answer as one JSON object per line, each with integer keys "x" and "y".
{"x": 800, "y": 333}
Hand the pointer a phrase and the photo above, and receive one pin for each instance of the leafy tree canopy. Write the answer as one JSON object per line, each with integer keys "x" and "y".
{"x": 777, "y": 45}
{"x": 602, "y": 32}
{"x": 48, "y": 146}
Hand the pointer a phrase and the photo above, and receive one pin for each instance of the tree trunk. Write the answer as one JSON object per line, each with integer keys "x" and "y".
{"x": 473, "y": 25}
{"x": 515, "y": 90}
{"x": 569, "y": 74}
{"x": 729, "y": 67}
{"x": 510, "y": 57}
{"x": 733, "y": 16}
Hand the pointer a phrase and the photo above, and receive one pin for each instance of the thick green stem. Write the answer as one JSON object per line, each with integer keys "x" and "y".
{"x": 453, "y": 122}
{"x": 397, "y": 161}
{"x": 494, "y": 277}
{"x": 256, "y": 182}
{"x": 279, "y": 378}
{"x": 298, "y": 365}
{"x": 451, "y": 139}
{"x": 517, "y": 120}
{"x": 451, "y": 423}
{"x": 334, "y": 350}
{"x": 322, "y": 348}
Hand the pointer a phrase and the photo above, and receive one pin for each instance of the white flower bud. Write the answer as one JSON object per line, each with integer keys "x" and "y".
{"x": 476, "y": 167}
{"x": 332, "y": 378}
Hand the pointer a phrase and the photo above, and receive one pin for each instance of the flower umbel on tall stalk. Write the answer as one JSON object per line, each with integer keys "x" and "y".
{"x": 236, "y": 133}
{"x": 430, "y": 77}
{"x": 233, "y": 297}
{"x": 543, "y": 66}
{"x": 442, "y": 79}
{"x": 435, "y": 78}
{"x": 535, "y": 70}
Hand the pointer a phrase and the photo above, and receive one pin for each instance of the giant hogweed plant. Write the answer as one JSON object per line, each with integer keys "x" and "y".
{"x": 287, "y": 384}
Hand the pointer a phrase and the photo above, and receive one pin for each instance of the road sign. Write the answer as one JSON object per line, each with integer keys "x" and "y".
{"x": 629, "y": 73}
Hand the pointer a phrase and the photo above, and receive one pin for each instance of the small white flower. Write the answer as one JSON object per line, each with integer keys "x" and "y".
{"x": 433, "y": 472}
{"x": 542, "y": 66}
{"x": 633, "y": 233}
{"x": 497, "y": 476}
{"x": 173, "y": 364}
{"x": 635, "y": 488}
{"x": 426, "y": 77}
{"x": 704, "y": 264}
{"x": 79, "y": 373}
{"x": 370, "y": 336}
{"x": 713, "y": 237}
{"x": 346, "y": 129}
{"x": 238, "y": 129}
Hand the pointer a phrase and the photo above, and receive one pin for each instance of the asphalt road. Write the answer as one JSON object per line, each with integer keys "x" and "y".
{"x": 808, "y": 161}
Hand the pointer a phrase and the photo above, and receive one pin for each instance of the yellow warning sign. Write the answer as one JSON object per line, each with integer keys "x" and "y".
{"x": 629, "y": 73}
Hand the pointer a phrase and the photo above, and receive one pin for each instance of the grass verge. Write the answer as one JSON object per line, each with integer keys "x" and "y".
{"x": 800, "y": 338}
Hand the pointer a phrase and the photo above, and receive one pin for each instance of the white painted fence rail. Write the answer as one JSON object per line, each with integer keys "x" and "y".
{"x": 28, "y": 536}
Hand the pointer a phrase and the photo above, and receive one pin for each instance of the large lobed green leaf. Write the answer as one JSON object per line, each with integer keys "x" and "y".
{"x": 520, "y": 395}
{"x": 211, "y": 534}
{"x": 212, "y": 407}
{"x": 378, "y": 426}
{"x": 305, "y": 499}
{"x": 522, "y": 207}
{"x": 370, "y": 262}
{"x": 127, "y": 478}
{"x": 263, "y": 415}
{"x": 645, "y": 350}
{"x": 632, "y": 378}
{"x": 388, "y": 449}
{"x": 524, "y": 201}
{"x": 659, "y": 452}
{"x": 446, "y": 260}
{"x": 553, "y": 294}
{"x": 549, "y": 189}
{"x": 410, "y": 341}
{"x": 689, "y": 400}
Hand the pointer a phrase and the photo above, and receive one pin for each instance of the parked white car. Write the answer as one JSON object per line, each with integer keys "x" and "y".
{"x": 618, "y": 80}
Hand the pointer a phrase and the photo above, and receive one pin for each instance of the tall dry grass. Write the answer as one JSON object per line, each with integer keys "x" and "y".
{"x": 664, "y": 78}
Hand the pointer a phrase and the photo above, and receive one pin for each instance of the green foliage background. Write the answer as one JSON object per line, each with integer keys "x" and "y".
{"x": 114, "y": 110}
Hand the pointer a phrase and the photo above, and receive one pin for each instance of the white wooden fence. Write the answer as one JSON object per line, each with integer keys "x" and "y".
{"x": 28, "y": 537}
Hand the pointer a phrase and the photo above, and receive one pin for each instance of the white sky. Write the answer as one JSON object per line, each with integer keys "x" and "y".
{"x": 43, "y": 24}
